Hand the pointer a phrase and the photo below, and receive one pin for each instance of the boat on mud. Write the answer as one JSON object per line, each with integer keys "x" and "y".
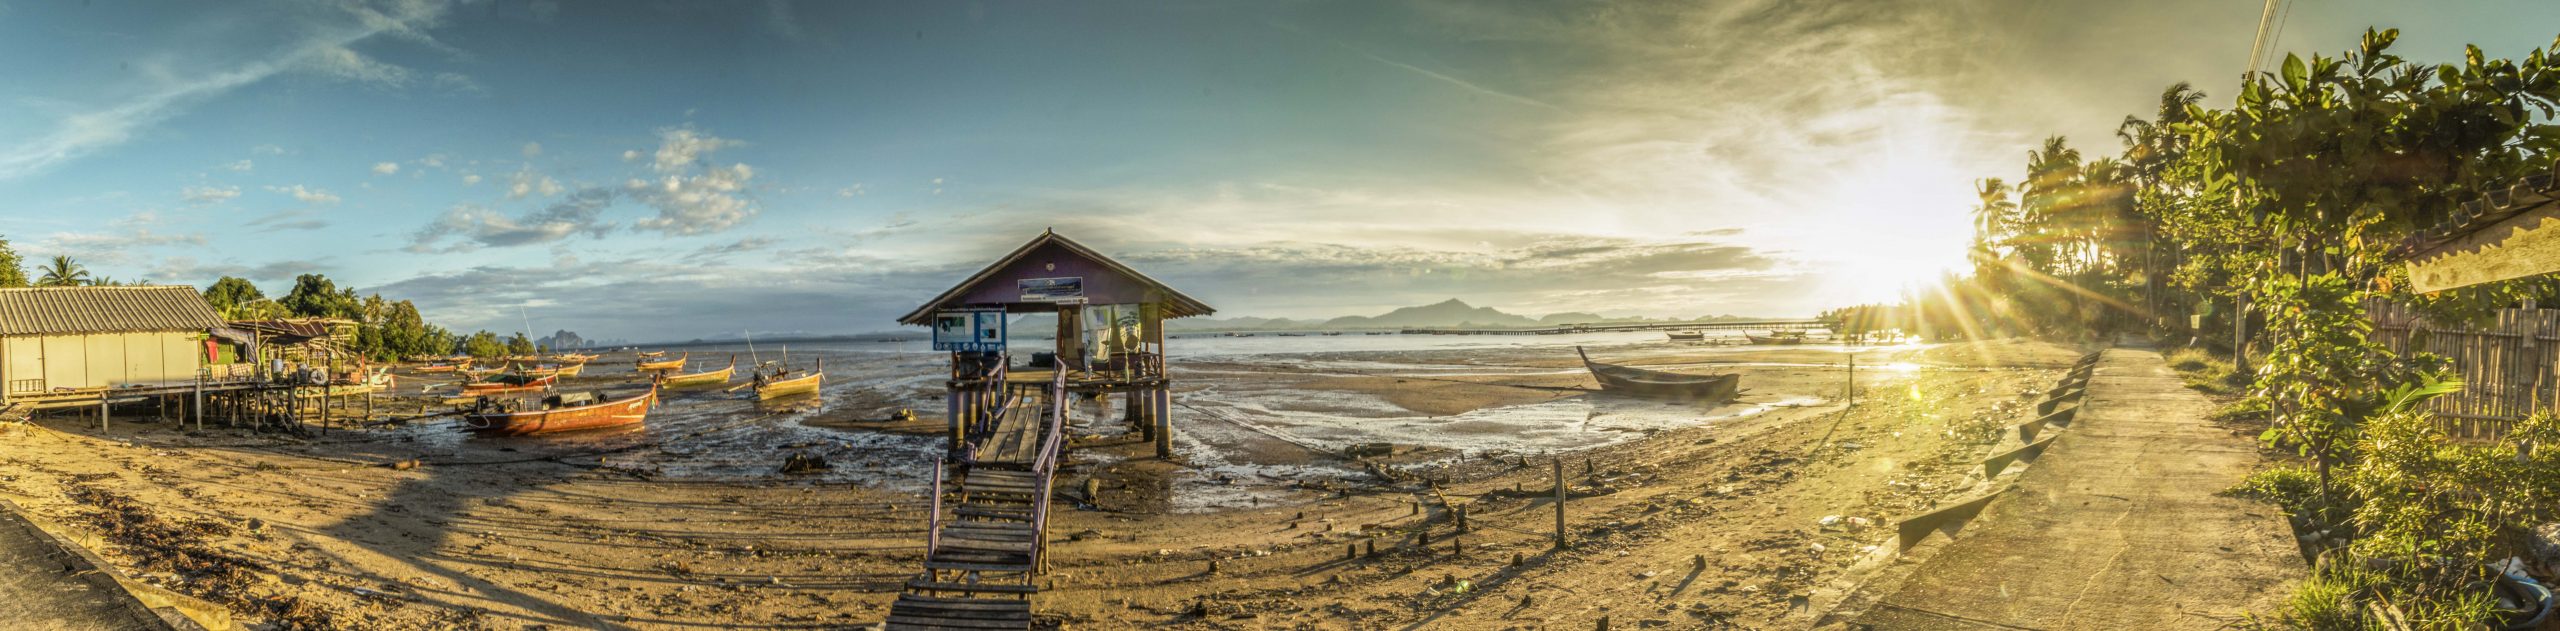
{"x": 1659, "y": 384}
{"x": 1777, "y": 337}
{"x": 509, "y": 383}
{"x": 704, "y": 378}
{"x": 573, "y": 358}
{"x": 653, "y": 354}
{"x": 564, "y": 412}
{"x": 444, "y": 367}
{"x": 1687, "y": 336}
{"x": 568, "y": 370}
{"x": 671, "y": 364}
{"x": 785, "y": 382}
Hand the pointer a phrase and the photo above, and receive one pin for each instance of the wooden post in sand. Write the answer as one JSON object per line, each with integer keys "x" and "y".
{"x": 1559, "y": 462}
{"x": 199, "y": 406}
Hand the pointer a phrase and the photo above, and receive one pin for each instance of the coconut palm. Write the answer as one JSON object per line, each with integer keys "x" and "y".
{"x": 62, "y": 272}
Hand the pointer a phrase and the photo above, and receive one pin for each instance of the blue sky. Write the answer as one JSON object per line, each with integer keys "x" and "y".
{"x": 679, "y": 169}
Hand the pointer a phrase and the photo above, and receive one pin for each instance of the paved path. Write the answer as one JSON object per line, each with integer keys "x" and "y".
{"x": 46, "y": 585}
{"x": 2116, "y": 526}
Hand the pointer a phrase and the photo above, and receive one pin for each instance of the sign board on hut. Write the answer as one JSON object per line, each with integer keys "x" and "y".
{"x": 1068, "y": 289}
{"x": 969, "y": 331}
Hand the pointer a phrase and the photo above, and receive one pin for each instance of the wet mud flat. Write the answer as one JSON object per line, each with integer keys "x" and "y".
{"x": 688, "y": 522}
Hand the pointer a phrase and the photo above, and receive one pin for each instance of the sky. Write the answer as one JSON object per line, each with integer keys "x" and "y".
{"x": 670, "y": 170}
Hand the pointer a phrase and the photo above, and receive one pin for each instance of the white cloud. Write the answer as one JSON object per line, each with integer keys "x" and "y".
{"x": 479, "y": 226}
{"x": 114, "y": 244}
{"x": 306, "y": 195}
{"x": 532, "y": 149}
{"x": 457, "y": 84}
{"x": 201, "y": 195}
{"x": 386, "y": 168}
{"x": 692, "y": 195}
{"x": 345, "y": 63}
{"x": 630, "y": 155}
{"x": 526, "y": 183}
{"x": 852, "y": 191}
{"x": 267, "y": 150}
{"x": 432, "y": 161}
{"x": 241, "y": 166}
{"x": 472, "y": 179}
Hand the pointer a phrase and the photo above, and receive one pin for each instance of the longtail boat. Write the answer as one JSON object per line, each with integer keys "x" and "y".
{"x": 573, "y": 358}
{"x": 653, "y": 354}
{"x": 445, "y": 366}
{"x": 559, "y": 413}
{"x": 1655, "y": 383}
{"x": 1777, "y": 337}
{"x": 784, "y": 383}
{"x": 1688, "y": 336}
{"x": 704, "y": 378}
{"x": 503, "y": 384}
{"x": 569, "y": 370}
{"x": 672, "y": 364}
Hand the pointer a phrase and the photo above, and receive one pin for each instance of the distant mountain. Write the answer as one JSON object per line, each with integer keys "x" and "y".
{"x": 1451, "y": 312}
{"x": 562, "y": 340}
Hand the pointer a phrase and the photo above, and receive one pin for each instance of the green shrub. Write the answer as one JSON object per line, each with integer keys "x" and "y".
{"x": 2288, "y": 486}
{"x": 2330, "y": 600}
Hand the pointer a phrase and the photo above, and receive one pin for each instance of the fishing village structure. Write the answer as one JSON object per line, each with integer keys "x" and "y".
{"x": 2507, "y": 366}
{"x": 987, "y": 533}
{"x": 96, "y": 347}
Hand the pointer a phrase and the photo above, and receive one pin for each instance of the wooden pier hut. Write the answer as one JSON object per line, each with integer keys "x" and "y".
{"x": 70, "y": 346}
{"x": 1110, "y": 333}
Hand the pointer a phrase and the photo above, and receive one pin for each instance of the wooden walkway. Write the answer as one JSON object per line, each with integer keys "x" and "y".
{"x": 987, "y": 535}
{"x": 2117, "y": 525}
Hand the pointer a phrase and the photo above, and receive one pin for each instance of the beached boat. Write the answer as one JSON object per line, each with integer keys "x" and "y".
{"x": 443, "y": 368}
{"x": 573, "y": 358}
{"x": 785, "y": 382}
{"x": 558, "y": 413}
{"x": 653, "y": 354}
{"x": 1687, "y": 336}
{"x": 1777, "y": 337}
{"x": 570, "y": 370}
{"x": 672, "y": 364}
{"x": 509, "y": 383}
{"x": 704, "y": 378}
{"x": 1655, "y": 383}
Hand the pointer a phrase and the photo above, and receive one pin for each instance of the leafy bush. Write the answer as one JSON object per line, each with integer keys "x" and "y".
{"x": 2287, "y": 486}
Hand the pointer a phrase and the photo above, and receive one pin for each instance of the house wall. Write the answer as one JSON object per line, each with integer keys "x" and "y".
{"x": 40, "y": 363}
{"x": 1101, "y": 285}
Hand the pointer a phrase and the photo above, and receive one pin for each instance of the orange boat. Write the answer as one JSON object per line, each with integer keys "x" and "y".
{"x": 437, "y": 368}
{"x": 672, "y": 364}
{"x": 566, "y": 412}
{"x": 504, "y": 384}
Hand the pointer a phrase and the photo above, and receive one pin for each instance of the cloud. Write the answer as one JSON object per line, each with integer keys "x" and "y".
{"x": 719, "y": 251}
{"x": 189, "y": 270}
{"x": 532, "y": 149}
{"x": 320, "y": 38}
{"x": 202, "y": 195}
{"x": 526, "y": 183}
{"x": 345, "y": 63}
{"x": 456, "y": 83}
{"x": 241, "y": 166}
{"x": 116, "y": 242}
{"x": 474, "y": 226}
{"x": 296, "y": 219}
{"x": 471, "y": 179}
{"x": 386, "y": 168}
{"x": 855, "y": 190}
{"x": 306, "y": 195}
{"x": 267, "y": 150}
{"x": 432, "y": 161}
{"x": 692, "y": 195}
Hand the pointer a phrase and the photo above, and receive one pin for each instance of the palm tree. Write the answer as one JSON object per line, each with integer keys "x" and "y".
{"x": 62, "y": 272}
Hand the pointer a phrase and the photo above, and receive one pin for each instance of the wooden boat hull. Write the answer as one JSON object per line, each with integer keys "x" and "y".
{"x": 571, "y": 370}
{"x": 792, "y": 386}
{"x": 619, "y": 413}
{"x": 1677, "y": 336}
{"x": 707, "y": 378}
{"x": 1663, "y": 385}
{"x": 672, "y": 364}
{"x": 509, "y": 386}
{"x": 1760, "y": 339}
{"x": 439, "y": 368}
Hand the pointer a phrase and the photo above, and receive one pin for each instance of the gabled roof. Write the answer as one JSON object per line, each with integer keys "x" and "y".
{"x": 77, "y": 310}
{"x": 1176, "y": 304}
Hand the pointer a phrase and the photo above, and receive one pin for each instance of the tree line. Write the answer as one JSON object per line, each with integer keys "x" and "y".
{"x": 386, "y": 330}
{"x": 2263, "y": 229}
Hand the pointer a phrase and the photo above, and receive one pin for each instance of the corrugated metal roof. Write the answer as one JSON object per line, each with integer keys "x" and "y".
{"x": 1176, "y": 304}
{"x": 75, "y": 310}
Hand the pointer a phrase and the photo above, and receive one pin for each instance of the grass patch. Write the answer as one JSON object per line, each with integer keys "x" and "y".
{"x": 2208, "y": 373}
{"x": 2288, "y": 486}
{"x": 2246, "y": 409}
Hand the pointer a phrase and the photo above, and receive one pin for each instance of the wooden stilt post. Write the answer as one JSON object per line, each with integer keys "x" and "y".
{"x": 102, "y": 413}
{"x": 1559, "y": 463}
{"x": 1163, "y": 421}
{"x": 325, "y": 378}
{"x": 199, "y": 407}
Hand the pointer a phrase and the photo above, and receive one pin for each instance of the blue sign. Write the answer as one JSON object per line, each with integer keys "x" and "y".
{"x": 969, "y": 331}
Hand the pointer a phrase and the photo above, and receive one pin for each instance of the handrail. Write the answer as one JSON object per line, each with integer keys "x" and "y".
{"x": 1044, "y": 469}
{"x": 933, "y": 523}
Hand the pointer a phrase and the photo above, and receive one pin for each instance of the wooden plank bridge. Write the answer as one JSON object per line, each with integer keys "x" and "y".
{"x": 988, "y": 531}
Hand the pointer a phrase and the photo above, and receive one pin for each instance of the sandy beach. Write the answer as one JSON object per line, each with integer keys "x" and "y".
{"x": 687, "y": 524}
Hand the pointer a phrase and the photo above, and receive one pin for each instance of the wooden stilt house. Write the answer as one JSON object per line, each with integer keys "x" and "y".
{"x": 1110, "y": 333}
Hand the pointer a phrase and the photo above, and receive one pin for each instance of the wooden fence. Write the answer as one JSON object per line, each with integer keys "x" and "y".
{"x": 2506, "y": 366}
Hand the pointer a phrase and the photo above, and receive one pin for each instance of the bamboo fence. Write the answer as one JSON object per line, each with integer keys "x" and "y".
{"x": 2506, "y": 366}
